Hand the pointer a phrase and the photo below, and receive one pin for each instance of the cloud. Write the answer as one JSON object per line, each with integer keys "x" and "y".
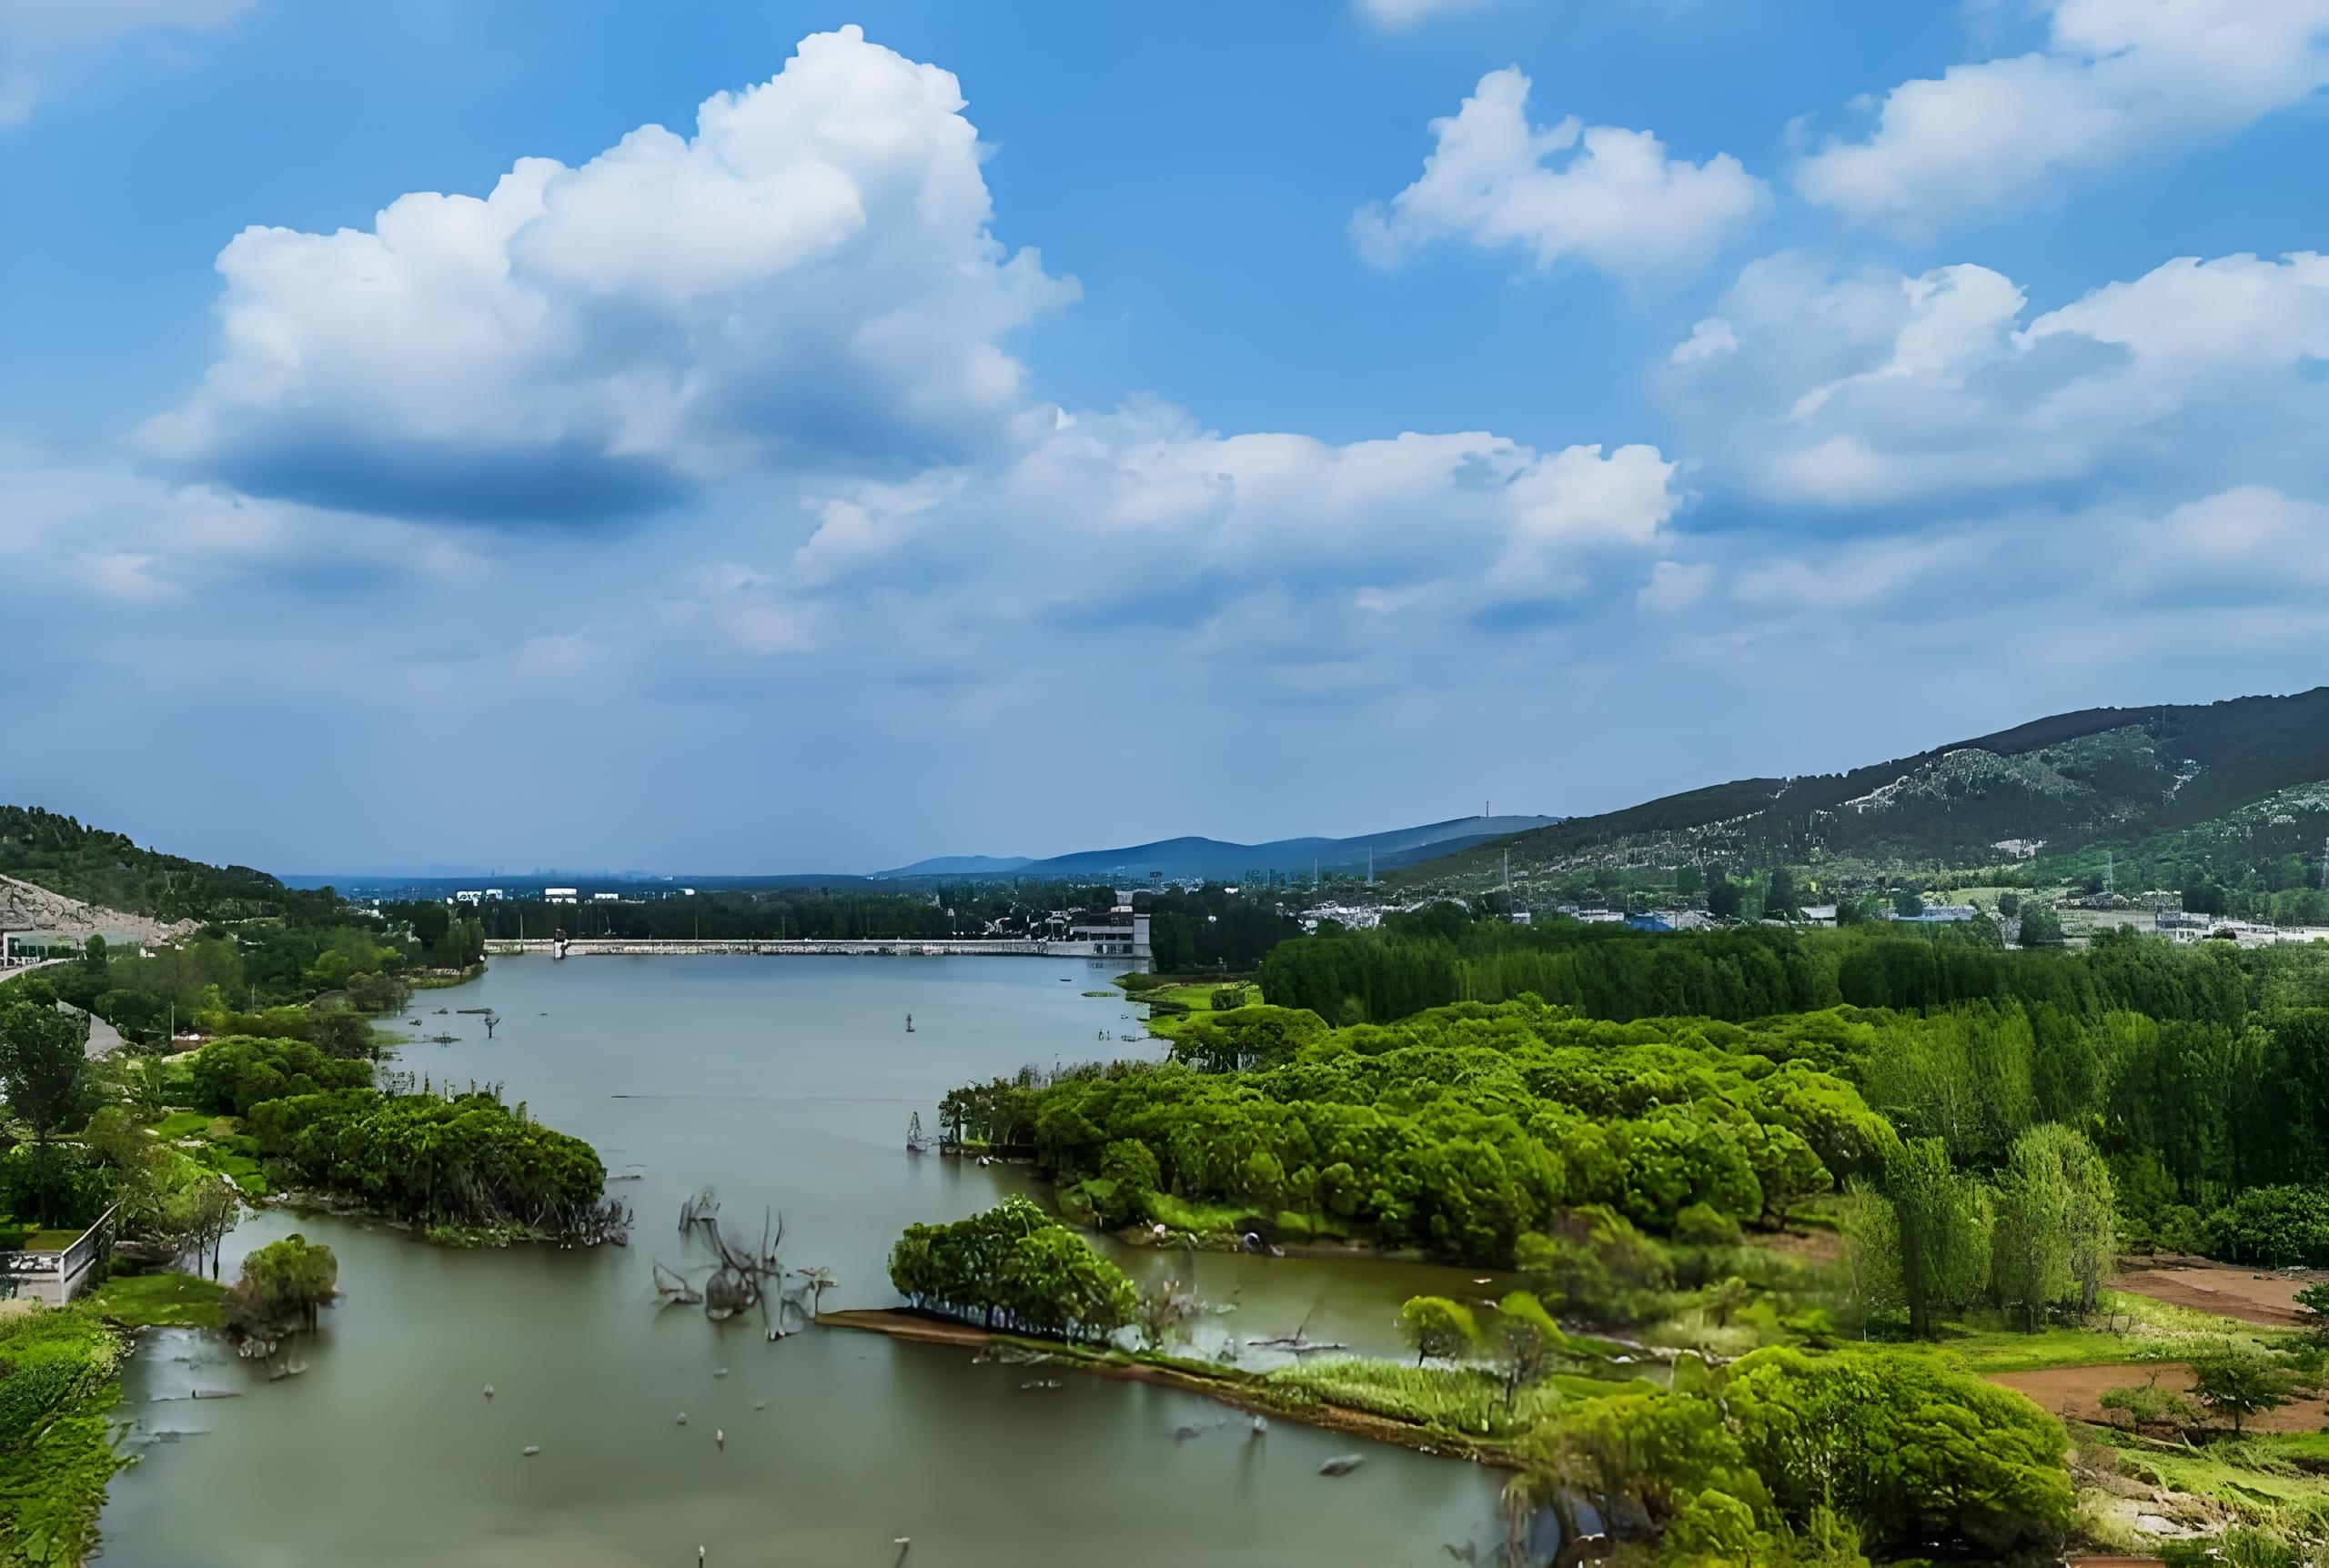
{"x": 2245, "y": 545}
{"x": 1608, "y": 196}
{"x": 1675, "y": 586}
{"x": 1708, "y": 339}
{"x": 1101, "y": 512}
{"x": 809, "y": 282}
{"x": 104, "y": 532}
{"x": 1900, "y": 389}
{"x": 2118, "y": 80}
{"x": 40, "y": 39}
{"x": 1397, "y": 16}
{"x": 1856, "y": 577}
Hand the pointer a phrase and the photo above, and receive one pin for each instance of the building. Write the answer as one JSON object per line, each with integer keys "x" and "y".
{"x": 563, "y": 895}
{"x": 470, "y": 897}
{"x": 1938, "y": 915}
{"x": 1119, "y": 933}
{"x": 605, "y": 898}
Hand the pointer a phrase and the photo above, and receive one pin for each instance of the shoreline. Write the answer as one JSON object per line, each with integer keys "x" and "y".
{"x": 1241, "y": 1391}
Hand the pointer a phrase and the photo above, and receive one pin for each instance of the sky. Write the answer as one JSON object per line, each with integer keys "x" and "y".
{"x": 764, "y": 437}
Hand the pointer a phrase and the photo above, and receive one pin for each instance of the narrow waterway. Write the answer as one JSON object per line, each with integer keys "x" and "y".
{"x": 787, "y": 1083}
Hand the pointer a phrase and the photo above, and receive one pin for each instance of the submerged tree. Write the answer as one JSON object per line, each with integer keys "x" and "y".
{"x": 283, "y": 1287}
{"x": 744, "y": 1273}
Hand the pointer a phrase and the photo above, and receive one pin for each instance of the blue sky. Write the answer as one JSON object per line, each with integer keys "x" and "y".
{"x": 807, "y": 438}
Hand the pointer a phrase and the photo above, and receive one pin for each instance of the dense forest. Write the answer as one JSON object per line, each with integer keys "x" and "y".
{"x": 1443, "y": 954}
{"x": 104, "y": 868}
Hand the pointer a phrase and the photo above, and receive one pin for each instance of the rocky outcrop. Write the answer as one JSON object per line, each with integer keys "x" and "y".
{"x": 26, "y": 908}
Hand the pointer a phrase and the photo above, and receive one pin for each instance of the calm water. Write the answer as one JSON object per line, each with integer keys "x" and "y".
{"x": 786, "y": 1082}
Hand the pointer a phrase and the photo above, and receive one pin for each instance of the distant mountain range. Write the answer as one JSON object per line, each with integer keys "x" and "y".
{"x": 1174, "y": 859}
{"x": 2100, "y": 776}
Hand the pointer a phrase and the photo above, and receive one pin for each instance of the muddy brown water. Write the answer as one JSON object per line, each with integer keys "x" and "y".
{"x": 787, "y": 1082}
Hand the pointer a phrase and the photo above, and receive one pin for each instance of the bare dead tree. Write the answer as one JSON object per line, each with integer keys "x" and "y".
{"x": 744, "y": 1273}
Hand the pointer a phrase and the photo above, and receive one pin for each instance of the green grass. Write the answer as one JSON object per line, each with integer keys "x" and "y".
{"x": 1199, "y": 1219}
{"x": 2256, "y": 1477}
{"x": 53, "y": 1240}
{"x": 2150, "y": 1332}
{"x": 193, "y": 1124}
{"x": 55, "y": 1452}
{"x": 158, "y": 1300}
{"x": 1176, "y": 1001}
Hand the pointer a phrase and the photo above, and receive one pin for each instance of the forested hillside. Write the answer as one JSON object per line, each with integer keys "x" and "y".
{"x": 2100, "y": 776}
{"x": 103, "y": 868}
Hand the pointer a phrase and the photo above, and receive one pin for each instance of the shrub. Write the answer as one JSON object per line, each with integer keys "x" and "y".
{"x": 1014, "y": 1267}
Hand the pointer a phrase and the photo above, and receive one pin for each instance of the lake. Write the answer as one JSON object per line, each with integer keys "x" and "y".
{"x": 787, "y": 1083}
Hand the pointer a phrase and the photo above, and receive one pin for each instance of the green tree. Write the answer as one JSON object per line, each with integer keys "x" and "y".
{"x": 343, "y": 1033}
{"x": 283, "y": 1286}
{"x": 1945, "y": 1230}
{"x": 1437, "y": 1328}
{"x": 44, "y": 1070}
{"x": 2314, "y": 1299}
{"x": 1528, "y": 1345}
{"x": 2040, "y": 926}
{"x": 2029, "y": 1240}
{"x": 2238, "y": 1383}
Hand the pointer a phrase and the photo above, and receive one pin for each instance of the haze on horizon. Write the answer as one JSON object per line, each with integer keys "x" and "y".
{"x": 813, "y": 439}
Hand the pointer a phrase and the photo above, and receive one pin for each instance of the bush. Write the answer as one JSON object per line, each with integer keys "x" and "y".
{"x": 1016, "y": 1268}
{"x": 469, "y": 1161}
{"x": 1703, "y": 1225}
{"x": 2277, "y": 1227}
{"x": 1594, "y": 1265}
{"x": 1916, "y": 1454}
{"x": 230, "y": 1076}
{"x": 282, "y": 1286}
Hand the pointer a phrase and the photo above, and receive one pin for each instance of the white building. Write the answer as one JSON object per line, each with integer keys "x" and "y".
{"x": 562, "y": 895}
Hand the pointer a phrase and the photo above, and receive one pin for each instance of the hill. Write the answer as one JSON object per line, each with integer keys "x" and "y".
{"x": 1217, "y": 859}
{"x": 92, "y": 866}
{"x": 2063, "y": 784}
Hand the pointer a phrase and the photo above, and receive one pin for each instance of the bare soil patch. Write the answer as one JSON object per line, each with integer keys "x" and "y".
{"x": 2228, "y": 1292}
{"x": 1819, "y": 1248}
{"x": 2076, "y": 1393}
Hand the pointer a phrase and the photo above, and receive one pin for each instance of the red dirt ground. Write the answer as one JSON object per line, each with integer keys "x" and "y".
{"x": 2077, "y": 1391}
{"x": 2268, "y": 1300}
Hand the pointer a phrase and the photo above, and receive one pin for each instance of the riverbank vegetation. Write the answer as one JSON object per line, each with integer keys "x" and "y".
{"x": 282, "y": 1287}
{"x": 57, "y": 1383}
{"x": 456, "y": 1163}
{"x": 1017, "y": 1268}
{"x": 1877, "y": 1168}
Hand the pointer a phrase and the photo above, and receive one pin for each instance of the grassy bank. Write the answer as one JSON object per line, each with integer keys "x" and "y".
{"x": 1173, "y": 1001}
{"x": 55, "y": 1450}
{"x": 166, "y": 1300}
{"x": 1361, "y": 1398}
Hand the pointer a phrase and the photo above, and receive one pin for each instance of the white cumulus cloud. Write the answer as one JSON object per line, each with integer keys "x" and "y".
{"x": 809, "y": 280}
{"x": 1610, "y": 196}
{"x": 2117, "y": 80}
{"x": 1897, "y": 387}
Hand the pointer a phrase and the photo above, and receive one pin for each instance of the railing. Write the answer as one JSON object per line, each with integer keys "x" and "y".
{"x": 60, "y": 1267}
